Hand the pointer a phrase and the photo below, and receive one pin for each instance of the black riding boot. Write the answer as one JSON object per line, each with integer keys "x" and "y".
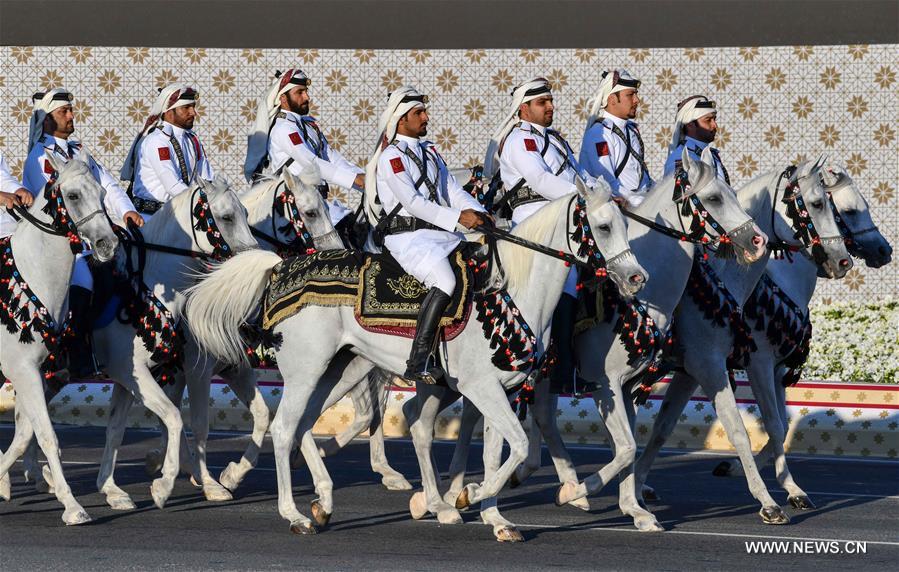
{"x": 426, "y": 331}
{"x": 81, "y": 355}
{"x": 564, "y": 378}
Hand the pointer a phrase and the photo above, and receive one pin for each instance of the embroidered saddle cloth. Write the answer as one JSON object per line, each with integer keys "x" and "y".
{"x": 385, "y": 298}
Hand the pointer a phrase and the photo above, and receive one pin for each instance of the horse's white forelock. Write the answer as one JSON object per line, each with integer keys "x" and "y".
{"x": 517, "y": 260}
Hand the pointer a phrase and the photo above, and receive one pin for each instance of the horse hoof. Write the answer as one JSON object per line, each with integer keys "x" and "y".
{"x": 303, "y": 528}
{"x": 319, "y": 515}
{"x": 566, "y": 493}
{"x": 723, "y": 469}
{"x": 801, "y": 502}
{"x": 5, "y": 488}
{"x": 449, "y": 515}
{"x": 396, "y": 483}
{"x": 153, "y": 462}
{"x": 120, "y": 502}
{"x": 650, "y": 494}
{"x": 160, "y": 493}
{"x": 75, "y": 517}
{"x": 462, "y": 501}
{"x": 581, "y": 504}
{"x": 229, "y": 477}
{"x": 418, "y": 505}
{"x": 215, "y": 492}
{"x": 648, "y": 524}
{"x": 513, "y": 483}
{"x": 508, "y": 534}
{"x": 774, "y": 515}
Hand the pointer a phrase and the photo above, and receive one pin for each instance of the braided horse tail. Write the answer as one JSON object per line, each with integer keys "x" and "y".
{"x": 226, "y": 298}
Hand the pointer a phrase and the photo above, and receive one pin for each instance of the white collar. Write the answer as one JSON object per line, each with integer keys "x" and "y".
{"x": 616, "y": 120}
{"x": 411, "y": 141}
{"x": 527, "y": 125}
{"x": 290, "y": 115}
{"x": 176, "y": 131}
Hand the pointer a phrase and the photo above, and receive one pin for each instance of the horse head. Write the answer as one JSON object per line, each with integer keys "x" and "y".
{"x": 219, "y": 219}
{"x": 863, "y": 238}
{"x": 806, "y": 215}
{"x": 311, "y": 209}
{"x": 608, "y": 229}
{"x": 715, "y": 210}
{"x": 75, "y": 201}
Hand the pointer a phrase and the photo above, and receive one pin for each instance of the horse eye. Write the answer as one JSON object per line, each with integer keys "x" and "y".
{"x": 310, "y": 214}
{"x": 605, "y": 228}
{"x": 714, "y": 199}
{"x": 850, "y": 212}
{"x": 72, "y": 196}
{"x": 818, "y": 204}
{"x": 228, "y": 218}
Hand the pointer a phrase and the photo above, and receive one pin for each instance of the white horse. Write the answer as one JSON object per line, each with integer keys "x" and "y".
{"x": 601, "y": 354}
{"x": 706, "y": 345}
{"x": 166, "y": 275}
{"x": 339, "y": 352}
{"x": 43, "y": 257}
{"x": 796, "y": 279}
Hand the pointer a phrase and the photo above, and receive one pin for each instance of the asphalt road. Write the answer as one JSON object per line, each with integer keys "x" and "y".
{"x": 708, "y": 519}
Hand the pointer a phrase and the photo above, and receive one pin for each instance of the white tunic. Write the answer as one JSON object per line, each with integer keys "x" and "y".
{"x": 419, "y": 252}
{"x": 297, "y": 137}
{"x": 602, "y": 151}
{"x": 37, "y": 172}
{"x": 157, "y": 174}
{"x": 525, "y": 155}
{"x": 8, "y": 184}
{"x": 696, "y": 148}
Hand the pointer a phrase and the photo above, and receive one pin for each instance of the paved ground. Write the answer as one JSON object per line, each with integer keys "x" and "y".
{"x": 709, "y": 519}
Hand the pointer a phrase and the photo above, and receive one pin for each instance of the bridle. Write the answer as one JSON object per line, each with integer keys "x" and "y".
{"x": 284, "y": 204}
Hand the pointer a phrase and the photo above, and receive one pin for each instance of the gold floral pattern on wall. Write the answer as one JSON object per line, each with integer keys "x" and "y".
{"x": 776, "y": 105}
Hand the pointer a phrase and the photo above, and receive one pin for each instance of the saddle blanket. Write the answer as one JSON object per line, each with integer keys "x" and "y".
{"x": 385, "y": 298}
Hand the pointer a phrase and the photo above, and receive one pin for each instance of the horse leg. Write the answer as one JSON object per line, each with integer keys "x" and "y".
{"x": 544, "y": 414}
{"x": 535, "y": 450}
{"x": 199, "y": 385}
{"x": 610, "y": 400}
{"x": 503, "y": 530}
{"x": 459, "y": 464}
{"x": 30, "y": 392}
{"x": 154, "y": 457}
{"x": 761, "y": 377}
{"x": 22, "y": 443}
{"x": 242, "y": 380}
{"x": 490, "y": 398}
{"x": 726, "y": 407}
{"x": 364, "y": 414}
{"x": 677, "y": 395}
{"x": 119, "y": 406}
{"x": 421, "y": 413}
{"x": 393, "y": 480}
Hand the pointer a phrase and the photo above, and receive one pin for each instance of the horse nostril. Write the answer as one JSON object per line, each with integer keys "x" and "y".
{"x": 636, "y": 278}
{"x": 844, "y": 262}
{"x": 757, "y": 240}
{"x": 102, "y": 243}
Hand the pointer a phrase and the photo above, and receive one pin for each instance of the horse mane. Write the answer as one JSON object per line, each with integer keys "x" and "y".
{"x": 517, "y": 260}
{"x": 661, "y": 191}
{"x": 259, "y": 190}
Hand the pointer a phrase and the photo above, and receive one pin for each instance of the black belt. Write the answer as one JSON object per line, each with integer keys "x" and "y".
{"x": 523, "y": 196}
{"x": 148, "y": 206}
{"x": 399, "y": 224}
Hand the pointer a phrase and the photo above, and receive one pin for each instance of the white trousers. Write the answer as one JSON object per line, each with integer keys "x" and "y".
{"x": 442, "y": 276}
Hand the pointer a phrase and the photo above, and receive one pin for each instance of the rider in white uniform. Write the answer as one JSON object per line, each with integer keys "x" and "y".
{"x": 52, "y": 125}
{"x": 537, "y": 165}
{"x": 695, "y": 127}
{"x": 286, "y": 136}
{"x": 612, "y": 147}
{"x": 167, "y": 156}
{"x": 420, "y": 204}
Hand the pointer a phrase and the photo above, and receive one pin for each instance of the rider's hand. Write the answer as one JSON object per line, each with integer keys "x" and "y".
{"x": 359, "y": 181}
{"x": 23, "y": 197}
{"x": 132, "y": 216}
{"x": 620, "y": 201}
{"x": 470, "y": 218}
{"x": 7, "y": 200}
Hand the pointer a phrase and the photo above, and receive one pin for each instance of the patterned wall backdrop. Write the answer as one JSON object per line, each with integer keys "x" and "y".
{"x": 776, "y": 104}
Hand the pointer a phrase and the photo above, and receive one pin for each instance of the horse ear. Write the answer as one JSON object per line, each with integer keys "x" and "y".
{"x": 290, "y": 179}
{"x": 311, "y": 175}
{"x": 56, "y": 163}
{"x": 602, "y": 192}
{"x": 707, "y": 156}
{"x": 820, "y": 162}
{"x": 687, "y": 161}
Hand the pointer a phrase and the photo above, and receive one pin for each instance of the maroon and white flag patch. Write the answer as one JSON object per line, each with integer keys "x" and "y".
{"x": 48, "y": 168}
{"x": 295, "y": 138}
{"x": 397, "y": 165}
{"x": 602, "y": 148}
{"x": 164, "y": 154}
{"x": 530, "y": 144}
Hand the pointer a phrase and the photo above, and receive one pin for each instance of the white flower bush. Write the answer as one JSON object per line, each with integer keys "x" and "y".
{"x": 855, "y": 342}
